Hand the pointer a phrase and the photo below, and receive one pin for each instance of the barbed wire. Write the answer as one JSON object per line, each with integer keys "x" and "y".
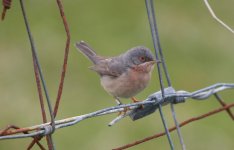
{"x": 150, "y": 105}
{"x": 135, "y": 111}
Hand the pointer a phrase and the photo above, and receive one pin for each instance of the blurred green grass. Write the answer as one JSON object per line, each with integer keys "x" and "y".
{"x": 198, "y": 51}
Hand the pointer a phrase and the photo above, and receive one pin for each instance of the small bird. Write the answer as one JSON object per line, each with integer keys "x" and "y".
{"x": 122, "y": 76}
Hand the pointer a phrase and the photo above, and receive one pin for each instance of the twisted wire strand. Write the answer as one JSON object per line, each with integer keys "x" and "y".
{"x": 42, "y": 129}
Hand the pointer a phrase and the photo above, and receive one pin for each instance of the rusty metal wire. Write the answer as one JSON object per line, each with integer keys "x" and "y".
{"x": 155, "y": 101}
{"x": 39, "y": 75}
{"x": 63, "y": 73}
{"x": 64, "y": 68}
{"x": 39, "y": 90}
{"x": 6, "y": 5}
{"x": 25, "y": 132}
{"x": 213, "y": 112}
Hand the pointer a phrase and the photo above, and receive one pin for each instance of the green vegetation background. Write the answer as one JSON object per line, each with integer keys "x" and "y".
{"x": 198, "y": 51}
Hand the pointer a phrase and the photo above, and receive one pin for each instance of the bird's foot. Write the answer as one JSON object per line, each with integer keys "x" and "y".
{"x": 124, "y": 111}
{"x": 120, "y": 103}
{"x": 135, "y": 101}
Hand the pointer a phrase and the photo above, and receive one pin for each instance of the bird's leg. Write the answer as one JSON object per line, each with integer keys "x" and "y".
{"x": 120, "y": 103}
{"x": 134, "y": 100}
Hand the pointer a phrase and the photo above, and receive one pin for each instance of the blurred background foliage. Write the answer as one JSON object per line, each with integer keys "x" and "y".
{"x": 198, "y": 51}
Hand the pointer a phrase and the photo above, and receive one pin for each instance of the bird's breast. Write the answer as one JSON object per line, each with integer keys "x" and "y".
{"x": 126, "y": 85}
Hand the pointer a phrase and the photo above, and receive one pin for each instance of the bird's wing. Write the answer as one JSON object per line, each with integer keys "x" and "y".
{"x": 109, "y": 66}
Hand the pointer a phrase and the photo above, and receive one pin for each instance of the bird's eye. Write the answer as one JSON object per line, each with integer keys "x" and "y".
{"x": 142, "y": 58}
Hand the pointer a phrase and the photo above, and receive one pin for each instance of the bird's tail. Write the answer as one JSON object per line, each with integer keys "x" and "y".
{"x": 87, "y": 51}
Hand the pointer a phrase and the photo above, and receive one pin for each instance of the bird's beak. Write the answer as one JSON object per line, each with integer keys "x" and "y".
{"x": 151, "y": 63}
{"x": 148, "y": 66}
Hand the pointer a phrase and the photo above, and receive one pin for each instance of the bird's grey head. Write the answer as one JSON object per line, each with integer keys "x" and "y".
{"x": 138, "y": 55}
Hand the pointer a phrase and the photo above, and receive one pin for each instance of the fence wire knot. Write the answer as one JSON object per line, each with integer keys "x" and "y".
{"x": 172, "y": 96}
{"x": 48, "y": 129}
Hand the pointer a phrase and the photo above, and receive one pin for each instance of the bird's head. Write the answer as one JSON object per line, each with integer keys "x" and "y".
{"x": 140, "y": 58}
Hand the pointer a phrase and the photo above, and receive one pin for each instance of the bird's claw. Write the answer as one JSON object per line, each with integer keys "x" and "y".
{"x": 124, "y": 111}
{"x": 135, "y": 101}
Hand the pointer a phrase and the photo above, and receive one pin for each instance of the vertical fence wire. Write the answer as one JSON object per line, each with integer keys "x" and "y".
{"x": 149, "y": 7}
{"x": 166, "y": 75}
{"x": 158, "y": 48}
{"x": 34, "y": 53}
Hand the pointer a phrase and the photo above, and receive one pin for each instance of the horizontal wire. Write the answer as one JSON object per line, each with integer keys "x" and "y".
{"x": 41, "y": 128}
